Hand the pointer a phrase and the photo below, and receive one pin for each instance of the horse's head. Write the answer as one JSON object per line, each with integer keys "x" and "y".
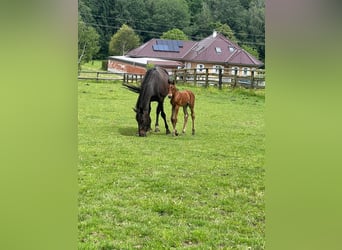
{"x": 171, "y": 91}
{"x": 143, "y": 120}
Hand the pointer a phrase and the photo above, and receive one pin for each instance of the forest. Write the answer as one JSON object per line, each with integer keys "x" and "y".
{"x": 242, "y": 21}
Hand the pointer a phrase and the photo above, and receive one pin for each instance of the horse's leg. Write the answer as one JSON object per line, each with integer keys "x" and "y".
{"x": 157, "y": 118}
{"x": 163, "y": 115}
{"x": 149, "y": 114}
{"x": 174, "y": 118}
{"x": 186, "y": 115}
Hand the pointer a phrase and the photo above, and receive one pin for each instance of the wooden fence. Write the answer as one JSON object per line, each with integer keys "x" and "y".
{"x": 229, "y": 76}
{"x": 109, "y": 76}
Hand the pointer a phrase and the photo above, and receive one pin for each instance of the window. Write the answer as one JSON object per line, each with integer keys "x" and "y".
{"x": 231, "y": 48}
{"x": 200, "y": 67}
{"x": 218, "y": 50}
{"x": 245, "y": 71}
{"x": 216, "y": 69}
{"x": 235, "y": 70}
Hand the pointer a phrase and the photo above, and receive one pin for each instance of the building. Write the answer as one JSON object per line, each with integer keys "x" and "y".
{"x": 137, "y": 65}
{"x": 213, "y": 52}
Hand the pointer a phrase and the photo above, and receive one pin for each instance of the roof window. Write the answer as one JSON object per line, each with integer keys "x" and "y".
{"x": 218, "y": 50}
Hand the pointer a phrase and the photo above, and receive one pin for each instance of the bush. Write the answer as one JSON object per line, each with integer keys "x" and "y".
{"x": 104, "y": 65}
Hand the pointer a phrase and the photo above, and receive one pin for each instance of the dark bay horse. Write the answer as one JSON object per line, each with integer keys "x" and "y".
{"x": 154, "y": 88}
{"x": 183, "y": 99}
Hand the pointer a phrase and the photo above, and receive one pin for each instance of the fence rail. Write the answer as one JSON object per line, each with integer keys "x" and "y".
{"x": 97, "y": 75}
{"x": 230, "y": 77}
{"x": 109, "y": 76}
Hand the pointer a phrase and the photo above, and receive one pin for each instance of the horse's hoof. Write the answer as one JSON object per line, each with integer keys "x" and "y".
{"x": 168, "y": 132}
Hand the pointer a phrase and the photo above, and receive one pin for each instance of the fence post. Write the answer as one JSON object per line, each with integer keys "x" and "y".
{"x": 206, "y": 77}
{"x": 175, "y": 76}
{"x": 235, "y": 78}
{"x": 97, "y": 75}
{"x": 195, "y": 77}
{"x": 220, "y": 78}
{"x": 252, "y": 79}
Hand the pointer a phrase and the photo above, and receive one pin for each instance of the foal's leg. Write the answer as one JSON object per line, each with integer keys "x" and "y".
{"x": 174, "y": 118}
{"x": 192, "y": 108}
{"x": 186, "y": 115}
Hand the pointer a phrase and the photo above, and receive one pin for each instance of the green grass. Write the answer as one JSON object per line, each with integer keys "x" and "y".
{"x": 94, "y": 65}
{"x": 163, "y": 192}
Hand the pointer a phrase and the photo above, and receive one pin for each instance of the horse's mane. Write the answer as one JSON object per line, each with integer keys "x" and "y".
{"x": 149, "y": 76}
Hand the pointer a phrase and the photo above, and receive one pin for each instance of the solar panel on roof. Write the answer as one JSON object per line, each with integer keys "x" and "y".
{"x": 159, "y": 47}
{"x": 180, "y": 43}
{"x": 167, "y": 45}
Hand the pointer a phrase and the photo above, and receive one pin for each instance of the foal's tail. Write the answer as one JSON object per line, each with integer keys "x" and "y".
{"x": 132, "y": 88}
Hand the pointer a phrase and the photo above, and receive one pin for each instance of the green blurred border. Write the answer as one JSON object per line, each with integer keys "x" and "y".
{"x": 303, "y": 119}
{"x": 38, "y": 103}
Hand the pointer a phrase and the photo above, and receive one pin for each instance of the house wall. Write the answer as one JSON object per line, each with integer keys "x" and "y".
{"x": 121, "y": 67}
{"x": 241, "y": 70}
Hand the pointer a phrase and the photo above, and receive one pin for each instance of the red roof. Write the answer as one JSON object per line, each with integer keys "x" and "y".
{"x": 241, "y": 57}
{"x": 146, "y": 50}
{"x": 215, "y": 48}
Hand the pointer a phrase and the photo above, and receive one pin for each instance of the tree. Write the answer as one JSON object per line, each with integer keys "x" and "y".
{"x": 123, "y": 41}
{"x": 201, "y": 26}
{"x": 254, "y": 52}
{"x": 174, "y": 34}
{"x": 196, "y": 18}
{"x": 88, "y": 42}
{"x": 230, "y": 12}
{"x": 225, "y": 30}
{"x": 165, "y": 15}
{"x": 256, "y": 26}
{"x": 85, "y": 12}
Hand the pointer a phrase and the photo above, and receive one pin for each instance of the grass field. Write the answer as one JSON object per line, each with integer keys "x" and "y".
{"x": 92, "y": 65}
{"x": 163, "y": 192}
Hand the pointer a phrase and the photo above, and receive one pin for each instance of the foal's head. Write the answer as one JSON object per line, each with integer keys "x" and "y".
{"x": 172, "y": 90}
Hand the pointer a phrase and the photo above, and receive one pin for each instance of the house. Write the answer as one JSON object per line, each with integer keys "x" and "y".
{"x": 213, "y": 52}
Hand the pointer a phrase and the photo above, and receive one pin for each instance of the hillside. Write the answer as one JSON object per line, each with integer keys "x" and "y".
{"x": 240, "y": 20}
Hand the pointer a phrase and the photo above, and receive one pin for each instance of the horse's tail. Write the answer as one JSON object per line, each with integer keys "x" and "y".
{"x": 132, "y": 88}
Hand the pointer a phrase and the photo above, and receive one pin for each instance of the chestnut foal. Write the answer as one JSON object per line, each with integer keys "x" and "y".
{"x": 183, "y": 99}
